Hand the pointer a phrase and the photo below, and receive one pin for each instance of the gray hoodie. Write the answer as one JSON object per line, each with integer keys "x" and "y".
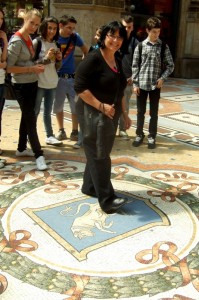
{"x": 19, "y": 55}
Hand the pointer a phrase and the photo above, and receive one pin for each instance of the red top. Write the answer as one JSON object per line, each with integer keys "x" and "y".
{"x": 28, "y": 43}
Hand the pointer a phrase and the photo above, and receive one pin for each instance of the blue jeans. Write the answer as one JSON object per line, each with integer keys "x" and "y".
{"x": 65, "y": 88}
{"x": 127, "y": 96}
{"x": 49, "y": 96}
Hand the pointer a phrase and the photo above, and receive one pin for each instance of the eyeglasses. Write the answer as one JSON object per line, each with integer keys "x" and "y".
{"x": 114, "y": 37}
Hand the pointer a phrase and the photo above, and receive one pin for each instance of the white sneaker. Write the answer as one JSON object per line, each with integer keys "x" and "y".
{"x": 26, "y": 152}
{"x": 41, "y": 164}
{"x": 124, "y": 135}
{"x": 51, "y": 140}
{"x": 2, "y": 165}
{"x": 77, "y": 145}
{"x": 3, "y": 161}
{"x": 151, "y": 143}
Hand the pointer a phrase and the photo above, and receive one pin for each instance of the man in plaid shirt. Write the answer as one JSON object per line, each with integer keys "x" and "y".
{"x": 148, "y": 75}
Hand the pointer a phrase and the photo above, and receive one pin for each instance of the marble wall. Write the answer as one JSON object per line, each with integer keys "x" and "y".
{"x": 89, "y": 14}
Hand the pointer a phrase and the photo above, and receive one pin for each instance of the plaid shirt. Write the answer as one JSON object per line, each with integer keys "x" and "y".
{"x": 148, "y": 70}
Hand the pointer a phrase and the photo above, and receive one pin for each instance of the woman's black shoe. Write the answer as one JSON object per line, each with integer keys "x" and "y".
{"x": 116, "y": 204}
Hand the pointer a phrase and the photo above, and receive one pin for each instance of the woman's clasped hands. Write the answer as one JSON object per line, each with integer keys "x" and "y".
{"x": 109, "y": 110}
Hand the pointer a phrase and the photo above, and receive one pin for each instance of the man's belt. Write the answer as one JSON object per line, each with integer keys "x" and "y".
{"x": 67, "y": 75}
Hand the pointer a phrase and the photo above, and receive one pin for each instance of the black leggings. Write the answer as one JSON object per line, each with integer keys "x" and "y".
{"x": 26, "y": 95}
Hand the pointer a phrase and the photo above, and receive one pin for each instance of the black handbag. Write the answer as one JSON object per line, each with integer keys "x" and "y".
{"x": 9, "y": 93}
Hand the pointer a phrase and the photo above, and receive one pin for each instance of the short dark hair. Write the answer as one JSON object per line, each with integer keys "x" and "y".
{"x": 128, "y": 19}
{"x": 112, "y": 27}
{"x": 153, "y": 22}
{"x": 65, "y": 19}
{"x": 99, "y": 29}
{"x": 44, "y": 27}
{"x": 3, "y": 26}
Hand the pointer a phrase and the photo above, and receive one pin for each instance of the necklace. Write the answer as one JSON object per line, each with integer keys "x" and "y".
{"x": 110, "y": 60}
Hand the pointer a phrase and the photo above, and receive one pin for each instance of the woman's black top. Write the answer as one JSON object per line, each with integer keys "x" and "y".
{"x": 94, "y": 74}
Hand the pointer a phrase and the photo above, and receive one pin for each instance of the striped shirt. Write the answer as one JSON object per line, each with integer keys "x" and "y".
{"x": 147, "y": 70}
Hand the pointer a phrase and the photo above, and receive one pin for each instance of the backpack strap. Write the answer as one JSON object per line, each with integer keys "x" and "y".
{"x": 140, "y": 52}
{"x": 132, "y": 45}
{"x": 163, "y": 47}
{"x": 73, "y": 37}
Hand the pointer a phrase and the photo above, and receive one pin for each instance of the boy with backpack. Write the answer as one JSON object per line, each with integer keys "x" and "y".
{"x": 152, "y": 64}
{"x": 68, "y": 40}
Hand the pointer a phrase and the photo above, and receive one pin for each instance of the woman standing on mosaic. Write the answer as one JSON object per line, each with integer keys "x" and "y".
{"x": 25, "y": 81}
{"x": 3, "y": 58}
{"x": 49, "y": 54}
{"x": 100, "y": 84}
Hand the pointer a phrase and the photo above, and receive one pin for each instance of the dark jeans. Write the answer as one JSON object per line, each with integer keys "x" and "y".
{"x": 97, "y": 174}
{"x": 154, "y": 97}
{"x": 26, "y": 96}
{"x": 2, "y": 102}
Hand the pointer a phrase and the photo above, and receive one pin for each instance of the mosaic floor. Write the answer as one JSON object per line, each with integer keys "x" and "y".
{"x": 56, "y": 243}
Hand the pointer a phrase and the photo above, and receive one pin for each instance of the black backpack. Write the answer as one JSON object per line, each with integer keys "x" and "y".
{"x": 38, "y": 49}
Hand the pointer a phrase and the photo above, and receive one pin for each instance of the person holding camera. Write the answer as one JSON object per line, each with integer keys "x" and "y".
{"x": 49, "y": 54}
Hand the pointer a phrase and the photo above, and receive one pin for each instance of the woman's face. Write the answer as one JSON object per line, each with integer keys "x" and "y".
{"x": 31, "y": 24}
{"x": 51, "y": 31}
{"x": 1, "y": 18}
{"x": 113, "y": 41}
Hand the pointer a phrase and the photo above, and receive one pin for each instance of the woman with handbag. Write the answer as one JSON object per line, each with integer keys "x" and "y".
{"x": 3, "y": 58}
{"x": 100, "y": 84}
{"x": 25, "y": 82}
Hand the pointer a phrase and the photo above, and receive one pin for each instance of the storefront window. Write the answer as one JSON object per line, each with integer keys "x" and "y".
{"x": 166, "y": 10}
{"x": 14, "y": 10}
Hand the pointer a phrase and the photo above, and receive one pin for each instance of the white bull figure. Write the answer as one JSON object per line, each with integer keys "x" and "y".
{"x": 93, "y": 218}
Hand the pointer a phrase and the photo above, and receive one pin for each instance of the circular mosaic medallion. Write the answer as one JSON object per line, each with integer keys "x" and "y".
{"x": 56, "y": 231}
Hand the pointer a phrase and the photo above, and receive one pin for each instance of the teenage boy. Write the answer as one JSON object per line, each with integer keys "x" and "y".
{"x": 68, "y": 39}
{"x": 148, "y": 76}
{"x": 127, "y": 60}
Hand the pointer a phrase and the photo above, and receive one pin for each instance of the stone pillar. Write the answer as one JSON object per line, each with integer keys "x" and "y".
{"x": 89, "y": 14}
{"x": 187, "y": 54}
